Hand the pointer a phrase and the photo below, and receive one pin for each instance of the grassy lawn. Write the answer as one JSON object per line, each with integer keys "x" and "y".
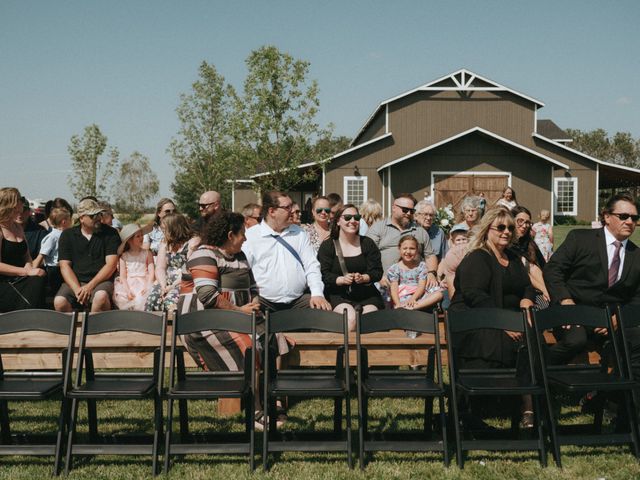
{"x": 609, "y": 463}
{"x": 560, "y": 232}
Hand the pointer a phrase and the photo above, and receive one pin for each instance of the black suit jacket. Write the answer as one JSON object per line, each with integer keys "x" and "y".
{"x": 579, "y": 270}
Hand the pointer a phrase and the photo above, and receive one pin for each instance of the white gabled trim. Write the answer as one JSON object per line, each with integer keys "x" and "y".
{"x": 389, "y": 199}
{"x": 535, "y": 119}
{"x": 584, "y": 155}
{"x": 467, "y": 132}
{"x": 467, "y": 79}
{"x": 382, "y": 193}
{"x": 386, "y": 119}
{"x": 573, "y": 180}
{"x": 369, "y": 142}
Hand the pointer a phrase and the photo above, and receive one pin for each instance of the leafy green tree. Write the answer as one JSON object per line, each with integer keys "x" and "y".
{"x": 202, "y": 152}
{"x": 137, "y": 184}
{"x": 622, "y": 148}
{"x": 275, "y": 128}
{"x": 90, "y": 174}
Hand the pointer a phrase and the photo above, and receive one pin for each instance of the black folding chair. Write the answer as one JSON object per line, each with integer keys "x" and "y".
{"x": 185, "y": 385}
{"x": 35, "y": 385}
{"x": 583, "y": 378}
{"x": 91, "y": 386}
{"x": 400, "y": 384}
{"x": 629, "y": 328}
{"x": 331, "y": 383}
{"x": 494, "y": 382}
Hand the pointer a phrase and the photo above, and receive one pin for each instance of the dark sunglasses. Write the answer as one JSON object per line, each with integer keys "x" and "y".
{"x": 93, "y": 216}
{"x": 503, "y": 227}
{"x": 349, "y": 216}
{"x": 407, "y": 209}
{"x": 626, "y": 216}
{"x": 168, "y": 211}
{"x": 325, "y": 210}
{"x": 205, "y": 205}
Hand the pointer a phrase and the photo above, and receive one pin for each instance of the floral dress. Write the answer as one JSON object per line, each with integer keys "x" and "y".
{"x": 168, "y": 303}
{"x": 542, "y": 239}
{"x": 408, "y": 280}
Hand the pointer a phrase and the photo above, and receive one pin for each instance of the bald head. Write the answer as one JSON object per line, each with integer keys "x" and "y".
{"x": 209, "y": 203}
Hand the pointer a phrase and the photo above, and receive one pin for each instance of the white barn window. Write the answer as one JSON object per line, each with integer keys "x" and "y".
{"x": 566, "y": 196}
{"x": 355, "y": 190}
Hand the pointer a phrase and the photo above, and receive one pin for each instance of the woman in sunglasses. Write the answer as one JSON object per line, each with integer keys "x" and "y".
{"x": 153, "y": 232}
{"x": 318, "y": 231}
{"x": 350, "y": 264}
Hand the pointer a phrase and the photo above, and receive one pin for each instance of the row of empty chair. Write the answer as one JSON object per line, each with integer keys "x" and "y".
{"x": 78, "y": 381}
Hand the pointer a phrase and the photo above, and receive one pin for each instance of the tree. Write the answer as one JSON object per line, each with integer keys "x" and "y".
{"x": 275, "y": 128}
{"x": 622, "y": 148}
{"x": 91, "y": 175}
{"x": 137, "y": 184}
{"x": 203, "y": 154}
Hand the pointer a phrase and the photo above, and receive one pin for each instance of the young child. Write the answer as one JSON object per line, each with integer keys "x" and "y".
{"x": 543, "y": 234}
{"x": 136, "y": 270}
{"x": 60, "y": 220}
{"x": 408, "y": 280}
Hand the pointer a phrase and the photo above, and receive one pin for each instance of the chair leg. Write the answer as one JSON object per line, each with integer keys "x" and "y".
{"x": 361, "y": 430}
{"x": 428, "y": 417}
{"x": 266, "y": 433}
{"x": 70, "y": 434}
{"x": 62, "y": 425}
{"x": 348, "y": 420}
{"x": 250, "y": 414}
{"x": 443, "y": 426}
{"x": 337, "y": 416}
{"x": 633, "y": 423}
{"x": 157, "y": 409}
{"x": 4, "y": 422}
{"x": 167, "y": 436}
{"x": 538, "y": 422}
{"x": 456, "y": 425}
{"x": 184, "y": 420}
{"x": 553, "y": 433}
{"x": 92, "y": 417}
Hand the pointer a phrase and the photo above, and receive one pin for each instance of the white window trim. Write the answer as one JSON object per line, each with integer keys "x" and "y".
{"x": 365, "y": 189}
{"x": 573, "y": 180}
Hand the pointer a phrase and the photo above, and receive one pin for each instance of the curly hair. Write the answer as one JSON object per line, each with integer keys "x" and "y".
{"x": 9, "y": 198}
{"x": 216, "y": 231}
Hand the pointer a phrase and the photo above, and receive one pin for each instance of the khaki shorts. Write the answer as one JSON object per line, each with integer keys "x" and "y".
{"x": 66, "y": 292}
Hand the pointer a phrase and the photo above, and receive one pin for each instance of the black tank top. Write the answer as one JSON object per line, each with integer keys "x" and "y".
{"x": 13, "y": 254}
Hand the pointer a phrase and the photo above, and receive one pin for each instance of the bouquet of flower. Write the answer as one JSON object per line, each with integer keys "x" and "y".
{"x": 445, "y": 218}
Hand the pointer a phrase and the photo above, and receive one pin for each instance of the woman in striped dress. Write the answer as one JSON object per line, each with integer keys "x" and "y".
{"x": 219, "y": 277}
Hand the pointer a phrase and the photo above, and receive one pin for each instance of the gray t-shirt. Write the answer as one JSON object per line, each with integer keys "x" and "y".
{"x": 386, "y": 236}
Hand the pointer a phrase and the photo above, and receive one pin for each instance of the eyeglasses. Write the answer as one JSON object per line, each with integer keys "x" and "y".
{"x": 174, "y": 211}
{"x": 425, "y": 214}
{"x": 93, "y": 216}
{"x": 626, "y": 216}
{"x": 522, "y": 221}
{"x": 285, "y": 207}
{"x": 503, "y": 227}
{"x": 295, "y": 212}
{"x": 349, "y": 216}
{"x": 405, "y": 209}
{"x": 202, "y": 206}
{"x": 323, "y": 210}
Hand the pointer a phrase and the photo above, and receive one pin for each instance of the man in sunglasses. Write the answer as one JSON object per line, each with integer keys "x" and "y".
{"x": 595, "y": 267}
{"x": 87, "y": 255}
{"x": 208, "y": 205}
{"x": 387, "y": 232}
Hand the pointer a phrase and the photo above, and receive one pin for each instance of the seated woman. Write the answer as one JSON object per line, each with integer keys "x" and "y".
{"x": 221, "y": 279}
{"x": 350, "y": 264}
{"x": 21, "y": 285}
{"x": 491, "y": 275}
{"x": 469, "y": 215}
{"x": 153, "y": 232}
{"x": 318, "y": 231}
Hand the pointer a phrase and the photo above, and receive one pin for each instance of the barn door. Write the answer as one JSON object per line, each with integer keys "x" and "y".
{"x": 451, "y": 189}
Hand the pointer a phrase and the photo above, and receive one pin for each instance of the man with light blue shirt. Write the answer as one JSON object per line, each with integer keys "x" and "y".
{"x": 282, "y": 259}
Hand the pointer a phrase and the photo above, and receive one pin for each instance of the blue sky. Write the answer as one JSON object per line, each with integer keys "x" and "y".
{"x": 124, "y": 64}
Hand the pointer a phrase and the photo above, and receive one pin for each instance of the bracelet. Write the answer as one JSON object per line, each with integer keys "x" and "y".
{"x": 435, "y": 274}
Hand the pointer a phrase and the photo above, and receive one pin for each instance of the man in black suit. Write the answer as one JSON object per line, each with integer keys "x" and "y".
{"x": 595, "y": 267}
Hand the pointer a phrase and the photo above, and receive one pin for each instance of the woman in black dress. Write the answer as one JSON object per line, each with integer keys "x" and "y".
{"x": 352, "y": 285}
{"x": 21, "y": 285}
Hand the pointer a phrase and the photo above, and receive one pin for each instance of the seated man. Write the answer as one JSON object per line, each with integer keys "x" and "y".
{"x": 595, "y": 267}
{"x": 87, "y": 255}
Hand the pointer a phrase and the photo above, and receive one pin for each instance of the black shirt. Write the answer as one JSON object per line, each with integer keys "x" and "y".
{"x": 87, "y": 257}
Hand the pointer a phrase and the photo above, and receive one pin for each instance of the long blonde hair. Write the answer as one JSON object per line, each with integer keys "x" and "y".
{"x": 481, "y": 231}
{"x": 9, "y": 198}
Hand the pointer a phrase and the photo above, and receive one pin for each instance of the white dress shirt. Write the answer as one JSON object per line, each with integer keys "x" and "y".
{"x": 279, "y": 276}
{"x": 611, "y": 249}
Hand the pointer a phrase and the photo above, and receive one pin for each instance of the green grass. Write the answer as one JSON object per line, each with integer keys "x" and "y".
{"x": 560, "y": 233}
{"x": 588, "y": 463}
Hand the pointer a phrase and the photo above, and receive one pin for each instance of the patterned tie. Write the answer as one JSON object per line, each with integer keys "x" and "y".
{"x": 615, "y": 264}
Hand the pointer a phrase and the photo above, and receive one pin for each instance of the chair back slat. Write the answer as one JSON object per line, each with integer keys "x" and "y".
{"x": 305, "y": 319}
{"x": 475, "y": 318}
{"x": 559, "y": 315}
{"x": 36, "y": 319}
{"x": 119, "y": 320}
{"x": 384, "y": 320}
{"x": 213, "y": 319}
{"x": 631, "y": 314}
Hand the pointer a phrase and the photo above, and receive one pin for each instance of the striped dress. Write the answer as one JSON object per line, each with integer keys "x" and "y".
{"x": 210, "y": 275}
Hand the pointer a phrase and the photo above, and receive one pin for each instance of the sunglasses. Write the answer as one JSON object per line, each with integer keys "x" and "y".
{"x": 349, "y": 216}
{"x": 92, "y": 217}
{"x": 323, "y": 210}
{"x": 522, "y": 221}
{"x": 503, "y": 227}
{"x": 406, "y": 209}
{"x": 626, "y": 216}
{"x": 173, "y": 211}
{"x": 205, "y": 205}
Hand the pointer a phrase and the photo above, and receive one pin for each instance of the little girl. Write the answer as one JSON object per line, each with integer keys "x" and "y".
{"x": 543, "y": 234}
{"x": 408, "y": 280}
{"x": 136, "y": 270}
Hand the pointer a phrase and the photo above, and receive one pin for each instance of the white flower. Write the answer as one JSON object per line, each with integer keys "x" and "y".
{"x": 444, "y": 222}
